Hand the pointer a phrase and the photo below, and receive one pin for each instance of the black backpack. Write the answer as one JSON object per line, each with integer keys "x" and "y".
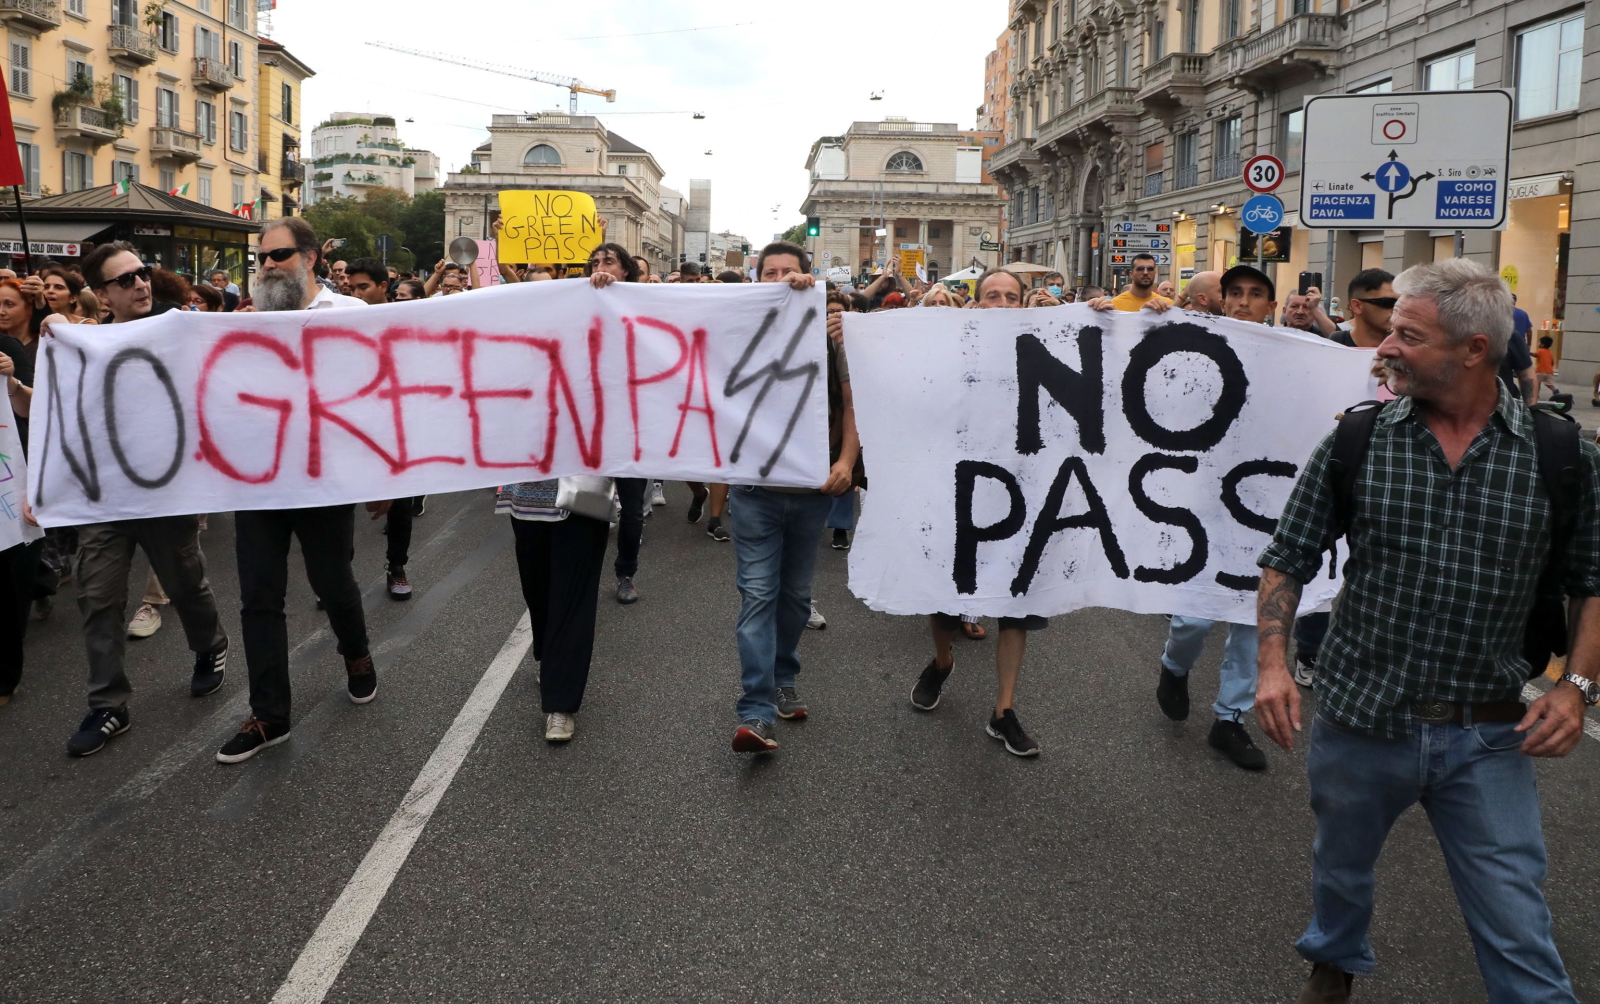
{"x": 1556, "y": 439}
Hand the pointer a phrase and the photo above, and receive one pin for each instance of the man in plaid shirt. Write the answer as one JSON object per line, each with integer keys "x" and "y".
{"x": 1420, "y": 677}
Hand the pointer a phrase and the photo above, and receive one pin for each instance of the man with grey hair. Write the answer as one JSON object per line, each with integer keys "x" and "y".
{"x": 288, "y": 257}
{"x": 1420, "y": 678}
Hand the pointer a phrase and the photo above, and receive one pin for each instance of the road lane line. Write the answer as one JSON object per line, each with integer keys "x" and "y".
{"x": 1591, "y": 728}
{"x": 324, "y": 956}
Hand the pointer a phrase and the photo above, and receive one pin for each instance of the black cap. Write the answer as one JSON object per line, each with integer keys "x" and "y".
{"x": 1248, "y": 272}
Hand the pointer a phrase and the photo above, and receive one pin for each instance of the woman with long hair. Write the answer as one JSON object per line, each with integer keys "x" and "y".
{"x": 18, "y": 564}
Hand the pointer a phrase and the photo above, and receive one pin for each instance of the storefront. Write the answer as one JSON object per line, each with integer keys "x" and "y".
{"x": 1534, "y": 249}
{"x": 172, "y": 232}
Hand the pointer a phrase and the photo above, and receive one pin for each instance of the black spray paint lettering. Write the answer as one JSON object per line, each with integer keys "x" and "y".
{"x": 970, "y": 535}
{"x": 87, "y": 472}
{"x": 159, "y": 370}
{"x": 1191, "y": 566}
{"x": 1079, "y": 391}
{"x": 1157, "y": 344}
{"x": 1051, "y": 522}
{"x": 775, "y": 371}
{"x": 1244, "y": 516}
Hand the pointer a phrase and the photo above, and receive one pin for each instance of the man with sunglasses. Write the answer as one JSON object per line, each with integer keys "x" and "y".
{"x": 105, "y": 550}
{"x": 288, "y": 281}
{"x": 1370, "y": 301}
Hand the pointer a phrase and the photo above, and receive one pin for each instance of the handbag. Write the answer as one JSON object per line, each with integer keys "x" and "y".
{"x": 586, "y": 496}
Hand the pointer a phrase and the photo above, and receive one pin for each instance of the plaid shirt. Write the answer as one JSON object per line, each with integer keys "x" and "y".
{"x": 1443, "y": 565}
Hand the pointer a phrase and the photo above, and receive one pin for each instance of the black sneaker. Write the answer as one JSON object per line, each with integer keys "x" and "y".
{"x": 1235, "y": 744}
{"x": 697, "y": 505}
{"x": 100, "y": 725}
{"x": 716, "y": 531}
{"x": 253, "y": 736}
{"x": 754, "y": 736}
{"x": 626, "y": 593}
{"x": 925, "y": 695}
{"x": 841, "y": 540}
{"x": 1008, "y": 730}
{"x": 1172, "y": 693}
{"x": 399, "y": 586}
{"x": 362, "y": 679}
{"x": 791, "y": 706}
{"x": 1305, "y": 669}
{"x": 209, "y": 668}
{"x": 419, "y": 505}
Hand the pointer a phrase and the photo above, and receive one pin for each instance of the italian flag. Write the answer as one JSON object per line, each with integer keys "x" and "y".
{"x": 124, "y": 186}
{"x": 181, "y": 191}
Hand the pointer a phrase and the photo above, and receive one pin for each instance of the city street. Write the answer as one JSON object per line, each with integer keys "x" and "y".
{"x": 880, "y": 855}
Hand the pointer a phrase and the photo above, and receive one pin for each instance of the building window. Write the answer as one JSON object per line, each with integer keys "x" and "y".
{"x": 21, "y": 68}
{"x": 1191, "y": 26}
{"x": 205, "y": 190}
{"x": 1381, "y": 87}
{"x": 1302, "y": 7}
{"x": 167, "y": 108}
{"x": 1549, "y": 67}
{"x": 207, "y": 43}
{"x": 28, "y": 153}
{"x": 167, "y": 32}
{"x": 128, "y": 92}
{"x": 205, "y": 120}
{"x": 238, "y": 131}
{"x": 78, "y": 68}
{"x": 1230, "y": 18}
{"x": 1160, "y": 45}
{"x": 239, "y": 14}
{"x": 288, "y": 103}
{"x": 76, "y": 7}
{"x": 899, "y": 232}
{"x": 1033, "y": 204}
{"x": 1451, "y": 73}
{"x": 124, "y": 170}
{"x": 1225, "y": 155}
{"x": 933, "y": 233}
{"x": 1291, "y": 138}
{"x": 1188, "y": 166}
{"x": 77, "y": 171}
{"x": 1055, "y": 21}
{"x": 169, "y": 179}
{"x": 1155, "y": 156}
{"x": 236, "y": 59}
{"x": 622, "y": 169}
{"x": 238, "y": 194}
{"x": 125, "y": 12}
{"x": 543, "y": 155}
{"x": 906, "y": 162}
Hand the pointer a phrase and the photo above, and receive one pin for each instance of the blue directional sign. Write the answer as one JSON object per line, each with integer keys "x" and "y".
{"x": 1262, "y": 214}
{"x": 1393, "y": 176}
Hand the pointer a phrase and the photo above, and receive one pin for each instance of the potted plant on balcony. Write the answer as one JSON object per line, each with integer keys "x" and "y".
{"x": 79, "y": 92}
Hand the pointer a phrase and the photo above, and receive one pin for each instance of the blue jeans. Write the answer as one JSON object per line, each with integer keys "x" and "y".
{"x": 775, "y": 538}
{"x": 1236, "y": 690}
{"x": 1309, "y": 630}
{"x": 842, "y": 513}
{"x": 1479, "y": 793}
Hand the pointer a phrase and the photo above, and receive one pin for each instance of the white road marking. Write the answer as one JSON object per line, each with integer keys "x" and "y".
{"x": 1591, "y": 728}
{"x": 325, "y": 954}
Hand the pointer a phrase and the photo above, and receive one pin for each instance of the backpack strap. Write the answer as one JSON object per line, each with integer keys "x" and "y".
{"x": 1556, "y": 440}
{"x": 1351, "y": 438}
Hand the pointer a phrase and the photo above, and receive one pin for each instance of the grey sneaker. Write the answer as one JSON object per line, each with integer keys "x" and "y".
{"x": 1305, "y": 670}
{"x": 626, "y": 593}
{"x": 816, "y": 621}
{"x": 754, "y": 736}
{"x": 790, "y": 705}
{"x": 657, "y": 496}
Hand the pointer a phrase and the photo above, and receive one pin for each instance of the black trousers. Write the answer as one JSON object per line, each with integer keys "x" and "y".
{"x": 261, "y": 542}
{"x": 17, "y": 570}
{"x": 630, "y": 528}
{"x": 399, "y": 532}
{"x": 559, "y": 564}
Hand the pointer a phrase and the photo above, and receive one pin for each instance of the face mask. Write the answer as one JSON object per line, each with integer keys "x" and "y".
{"x": 1053, "y": 290}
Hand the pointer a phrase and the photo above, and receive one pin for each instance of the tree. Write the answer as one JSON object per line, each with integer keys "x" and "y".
{"x": 416, "y": 224}
{"x": 796, "y": 234}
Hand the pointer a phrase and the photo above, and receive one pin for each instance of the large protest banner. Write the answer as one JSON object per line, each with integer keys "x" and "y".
{"x": 14, "y": 529}
{"x": 1042, "y": 460}
{"x": 191, "y": 412}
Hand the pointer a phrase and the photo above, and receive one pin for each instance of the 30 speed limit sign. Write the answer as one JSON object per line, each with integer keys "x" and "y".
{"x": 1263, "y": 173}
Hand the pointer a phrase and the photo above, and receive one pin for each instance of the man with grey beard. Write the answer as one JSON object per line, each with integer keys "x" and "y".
{"x": 287, "y": 281}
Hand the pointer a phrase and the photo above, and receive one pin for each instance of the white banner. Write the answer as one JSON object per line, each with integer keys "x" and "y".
{"x": 190, "y": 412}
{"x": 1042, "y": 460}
{"x": 13, "y": 486}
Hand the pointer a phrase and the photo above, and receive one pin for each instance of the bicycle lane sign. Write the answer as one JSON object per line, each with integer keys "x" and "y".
{"x": 1262, "y": 214}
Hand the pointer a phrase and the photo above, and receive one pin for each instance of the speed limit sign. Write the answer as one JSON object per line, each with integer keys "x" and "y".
{"x": 1263, "y": 173}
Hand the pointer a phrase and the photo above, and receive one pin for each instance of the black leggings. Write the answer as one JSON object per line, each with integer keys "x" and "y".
{"x": 559, "y": 564}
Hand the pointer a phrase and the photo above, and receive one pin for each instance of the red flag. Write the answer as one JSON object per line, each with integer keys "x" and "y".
{"x": 10, "y": 160}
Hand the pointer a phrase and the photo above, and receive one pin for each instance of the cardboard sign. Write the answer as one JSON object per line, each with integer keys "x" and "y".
{"x": 548, "y": 226}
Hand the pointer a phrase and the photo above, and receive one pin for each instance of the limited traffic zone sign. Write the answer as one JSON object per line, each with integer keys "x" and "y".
{"x": 1263, "y": 173}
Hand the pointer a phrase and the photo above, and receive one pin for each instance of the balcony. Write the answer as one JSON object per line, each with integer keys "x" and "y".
{"x": 1010, "y": 158}
{"x": 1152, "y": 184}
{"x": 1109, "y": 104}
{"x": 1186, "y": 176}
{"x": 1306, "y": 45}
{"x": 40, "y": 15}
{"x": 1226, "y": 167}
{"x": 175, "y": 143}
{"x": 1176, "y": 79}
{"x": 209, "y": 74}
{"x": 292, "y": 172}
{"x": 88, "y": 122}
{"x": 368, "y": 180}
{"x": 131, "y": 43}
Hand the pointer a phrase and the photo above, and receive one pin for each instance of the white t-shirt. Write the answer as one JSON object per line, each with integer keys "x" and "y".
{"x": 326, "y": 299}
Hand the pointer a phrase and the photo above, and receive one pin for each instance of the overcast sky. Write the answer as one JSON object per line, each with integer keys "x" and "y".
{"x": 769, "y": 86}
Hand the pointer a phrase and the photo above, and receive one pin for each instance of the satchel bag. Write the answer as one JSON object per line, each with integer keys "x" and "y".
{"x": 586, "y": 496}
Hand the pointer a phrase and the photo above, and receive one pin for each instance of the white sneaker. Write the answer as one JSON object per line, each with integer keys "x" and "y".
{"x": 658, "y": 497}
{"x": 558, "y": 727}
{"x": 816, "y": 621}
{"x": 146, "y": 621}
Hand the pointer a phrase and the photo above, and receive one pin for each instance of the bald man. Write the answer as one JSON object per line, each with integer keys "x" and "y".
{"x": 1205, "y": 293}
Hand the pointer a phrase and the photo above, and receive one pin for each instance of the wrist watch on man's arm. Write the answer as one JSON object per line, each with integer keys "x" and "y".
{"x": 1591, "y": 690}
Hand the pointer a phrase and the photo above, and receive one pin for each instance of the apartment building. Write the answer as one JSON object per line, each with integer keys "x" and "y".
{"x": 282, "y": 172}
{"x": 1123, "y": 112}
{"x": 353, "y": 152}
{"x": 161, "y": 92}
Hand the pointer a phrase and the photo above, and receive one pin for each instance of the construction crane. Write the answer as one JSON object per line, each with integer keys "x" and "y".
{"x": 573, "y": 85}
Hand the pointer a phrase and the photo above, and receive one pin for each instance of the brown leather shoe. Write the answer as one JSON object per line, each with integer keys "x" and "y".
{"x": 1328, "y": 984}
{"x": 362, "y": 681}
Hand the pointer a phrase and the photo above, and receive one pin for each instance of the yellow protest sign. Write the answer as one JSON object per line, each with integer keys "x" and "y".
{"x": 548, "y": 227}
{"x": 911, "y": 255}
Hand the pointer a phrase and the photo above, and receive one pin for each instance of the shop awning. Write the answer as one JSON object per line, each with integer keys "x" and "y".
{"x": 1536, "y": 186}
{"x": 61, "y": 231}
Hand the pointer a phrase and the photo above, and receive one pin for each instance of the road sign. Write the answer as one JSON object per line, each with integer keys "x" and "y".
{"x": 1263, "y": 173}
{"x": 1262, "y": 214}
{"x": 988, "y": 245}
{"x": 1140, "y": 243}
{"x": 386, "y": 243}
{"x": 1125, "y": 258}
{"x": 1140, "y": 227}
{"x": 1430, "y": 160}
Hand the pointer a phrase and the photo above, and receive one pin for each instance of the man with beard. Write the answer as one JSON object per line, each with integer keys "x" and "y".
{"x": 288, "y": 257}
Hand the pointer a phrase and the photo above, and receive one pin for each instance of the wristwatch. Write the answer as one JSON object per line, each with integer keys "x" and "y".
{"x": 1591, "y": 690}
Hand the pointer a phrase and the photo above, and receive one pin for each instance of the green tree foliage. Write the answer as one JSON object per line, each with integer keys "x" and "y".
{"x": 416, "y": 224}
{"x": 796, "y": 234}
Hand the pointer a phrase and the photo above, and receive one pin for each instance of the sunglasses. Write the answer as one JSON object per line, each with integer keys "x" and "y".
{"x": 127, "y": 279}
{"x": 279, "y": 254}
{"x": 1385, "y": 302}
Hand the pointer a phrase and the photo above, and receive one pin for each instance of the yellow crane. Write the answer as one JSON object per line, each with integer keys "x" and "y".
{"x": 573, "y": 85}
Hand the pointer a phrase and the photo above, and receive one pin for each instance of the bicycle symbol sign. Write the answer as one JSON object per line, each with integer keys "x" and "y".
{"x": 1262, "y": 214}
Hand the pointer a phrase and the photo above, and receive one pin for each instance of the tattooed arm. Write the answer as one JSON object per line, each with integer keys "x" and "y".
{"x": 1277, "y": 697}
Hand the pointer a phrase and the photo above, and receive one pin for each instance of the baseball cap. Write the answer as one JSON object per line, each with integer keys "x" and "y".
{"x": 1248, "y": 272}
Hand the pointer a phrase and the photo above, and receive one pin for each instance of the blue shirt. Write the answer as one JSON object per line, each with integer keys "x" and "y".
{"x": 1522, "y": 324}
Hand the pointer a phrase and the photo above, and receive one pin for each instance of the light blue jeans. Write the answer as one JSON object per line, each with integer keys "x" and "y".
{"x": 1480, "y": 796}
{"x": 842, "y": 512}
{"x": 1236, "y": 690}
{"x": 775, "y": 537}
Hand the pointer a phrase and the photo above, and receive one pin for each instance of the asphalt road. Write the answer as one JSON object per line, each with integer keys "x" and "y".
{"x": 880, "y": 855}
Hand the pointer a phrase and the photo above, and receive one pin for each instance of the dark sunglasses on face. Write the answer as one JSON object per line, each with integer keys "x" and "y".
{"x": 1385, "y": 302}
{"x": 127, "y": 279}
{"x": 279, "y": 254}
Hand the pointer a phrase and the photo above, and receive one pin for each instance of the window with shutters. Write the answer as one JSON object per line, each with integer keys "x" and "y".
{"x": 76, "y": 7}
{"x": 124, "y": 170}
{"x": 128, "y": 92}
{"x": 288, "y": 104}
{"x": 238, "y": 14}
{"x": 77, "y": 171}
{"x": 236, "y": 59}
{"x": 21, "y": 68}
{"x": 78, "y": 68}
{"x": 167, "y": 32}
{"x": 167, "y": 108}
{"x": 238, "y": 194}
{"x": 169, "y": 179}
{"x": 238, "y": 131}
{"x": 205, "y": 190}
{"x": 205, "y": 121}
{"x": 28, "y": 153}
{"x": 207, "y": 43}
